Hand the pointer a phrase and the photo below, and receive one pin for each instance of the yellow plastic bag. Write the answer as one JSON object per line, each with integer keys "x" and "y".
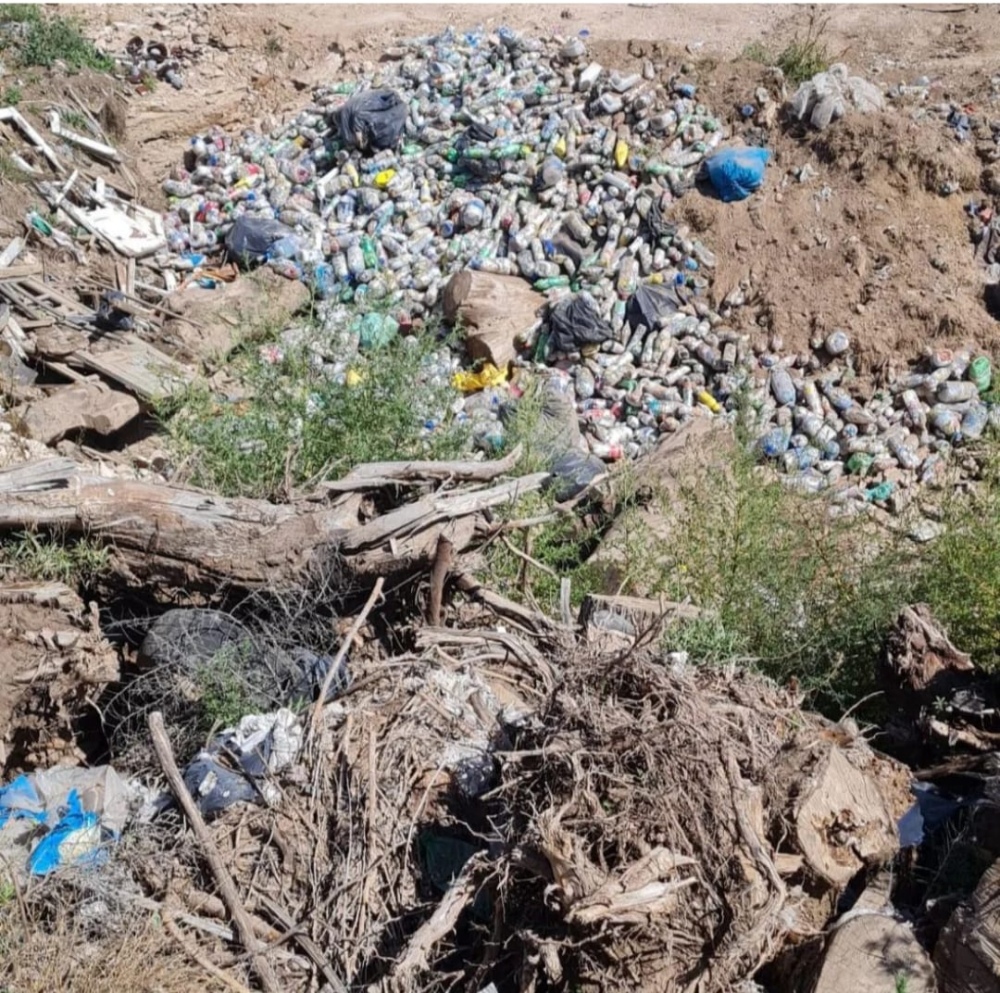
{"x": 384, "y": 178}
{"x": 470, "y": 382}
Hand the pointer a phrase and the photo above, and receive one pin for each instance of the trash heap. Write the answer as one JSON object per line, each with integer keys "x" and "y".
{"x": 498, "y": 153}
{"x": 515, "y": 157}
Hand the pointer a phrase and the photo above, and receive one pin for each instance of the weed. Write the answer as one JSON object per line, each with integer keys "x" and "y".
{"x": 523, "y": 428}
{"x": 756, "y": 51}
{"x": 19, "y": 13}
{"x": 902, "y": 983}
{"x": 224, "y": 695}
{"x": 12, "y": 96}
{"x": 300, "y": 423}
{"x": 273, "y": 46}
{"x": 51, "y": 39}
{"x": 780, "y": 584}
{"x": 558, "y": 549}
{"x": 8, "y": 892}
{"x": 74, "y": 119}
{"x": 45, "y": 557}
{"x": 40, "y": 954}
{"x": 960, "y": 571}
{"x": 806, "y": 56}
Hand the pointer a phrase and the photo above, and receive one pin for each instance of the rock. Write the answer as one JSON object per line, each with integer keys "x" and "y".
{"x": 493, "y": 310}
{"x": 874, "y": 953}
{"x": 990, "y": 180}
{"x": 218, "y": 318}
{"x": 82, "y": 406}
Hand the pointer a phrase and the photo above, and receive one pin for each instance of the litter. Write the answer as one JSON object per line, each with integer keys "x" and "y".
{"x": 829, "y": 95}
{"x": 95, "y": 148}
{"x": 235, "y": 766}
{"x": 62, "y": 817}
{"x": 737, "y": 172}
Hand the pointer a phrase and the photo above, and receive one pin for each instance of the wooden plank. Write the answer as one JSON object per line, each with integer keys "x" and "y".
{"x": 46, "y": 291}
{"x": 633, "y": 616}
{"x": 140, "y": 368}
{"x": 12, "y": 272}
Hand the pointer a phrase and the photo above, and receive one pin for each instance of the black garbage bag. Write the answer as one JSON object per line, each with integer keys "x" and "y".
{"x": 652, "y": 304}
{"x": 575, "y": 323}
{"x": 372, "y": 120}
{"x": 572, "y": 472}
{"x": 109, "y": 316}
{"x": 250, "y": 238}
{"x": 557, "y": 437}
{"x": 215, "y": 786}
{"x": 477, "y": 131}
{"x": 487, "y": 170}
{"x": 309, "y": 672}
{"x": 659, "y": 226}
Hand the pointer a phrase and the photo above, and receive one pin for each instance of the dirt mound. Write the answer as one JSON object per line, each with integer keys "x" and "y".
{"x": 868, "y": 244}
{"x": 54, "y": 663}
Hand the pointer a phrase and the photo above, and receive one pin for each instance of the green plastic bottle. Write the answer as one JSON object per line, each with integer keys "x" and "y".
{"x": 369, "y": 253}
{"x": 981, "y": 372}
{"x": 859, "y": 464}
{"x": 881, "y": 492}
{"x": 550, "y": 282}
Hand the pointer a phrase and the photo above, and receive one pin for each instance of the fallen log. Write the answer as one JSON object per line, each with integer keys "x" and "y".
{"x": 173, "y": 536}
{"x": 967, "y": 954}
{"x": 872, "y": 953}
{"x": 843, "y": 818}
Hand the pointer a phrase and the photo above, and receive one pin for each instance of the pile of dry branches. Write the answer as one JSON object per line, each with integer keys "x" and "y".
{"x": 614, "y": 821}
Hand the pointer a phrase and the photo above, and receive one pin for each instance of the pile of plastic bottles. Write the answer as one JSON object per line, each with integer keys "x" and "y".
{"x": 523, "y": 157}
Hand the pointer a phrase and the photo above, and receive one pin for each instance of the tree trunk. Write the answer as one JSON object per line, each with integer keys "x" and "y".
{"x": 170, "y": 536}
{"x": 839, "y": 804}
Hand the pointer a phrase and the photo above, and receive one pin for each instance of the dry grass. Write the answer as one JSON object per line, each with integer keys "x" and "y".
{"x": 61, "y": 955}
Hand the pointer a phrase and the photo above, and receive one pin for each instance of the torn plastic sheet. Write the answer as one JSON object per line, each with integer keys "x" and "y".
{"x": 236, "y": 765}
{"x": 60, "y": 817}
{"x": 931, "y": 809}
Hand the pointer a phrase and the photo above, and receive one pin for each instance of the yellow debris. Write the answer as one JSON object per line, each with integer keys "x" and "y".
{"x": 470, "y": 382}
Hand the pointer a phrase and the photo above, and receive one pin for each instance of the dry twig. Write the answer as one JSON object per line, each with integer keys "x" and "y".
{"x": 227, "y": 887}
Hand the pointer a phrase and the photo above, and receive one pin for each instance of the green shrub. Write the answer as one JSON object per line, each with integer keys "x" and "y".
{"x": 959, "y": 574}
{"x": 224, "y": 693}
{"x": 756, "y": 51}
{"x": 50, "y": 558}
{"x": 298, "y": 425}
{"x": 51, "y": 39}
{"x": 808, "y": 55}
{"x": 783, "y": 587}
{"x": 19, "y": 13}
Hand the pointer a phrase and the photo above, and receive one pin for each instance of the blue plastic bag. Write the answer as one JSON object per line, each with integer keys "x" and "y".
{"x": 20, "y": 799}
{"x": 737, "y": 172}
{"x": 75, "y": 840}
